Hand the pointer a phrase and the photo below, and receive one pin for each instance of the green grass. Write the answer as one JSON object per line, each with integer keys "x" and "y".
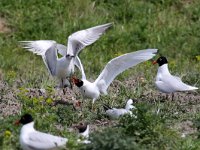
{"x": 171, "y": 26}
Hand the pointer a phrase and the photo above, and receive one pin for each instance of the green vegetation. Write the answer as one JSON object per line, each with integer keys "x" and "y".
{"x": 169, "y": 25}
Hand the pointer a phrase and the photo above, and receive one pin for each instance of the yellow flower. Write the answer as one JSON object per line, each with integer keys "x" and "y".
{"x": 49, "y": 101}
{"x": 7, "y": 133}
{"x": 198, "y": 57}
{"x": 118, "y": 54}
{"x": 35, "y": 100}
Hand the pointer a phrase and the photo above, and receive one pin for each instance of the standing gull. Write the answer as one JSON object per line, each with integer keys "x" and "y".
{"x": 167, "y": 83}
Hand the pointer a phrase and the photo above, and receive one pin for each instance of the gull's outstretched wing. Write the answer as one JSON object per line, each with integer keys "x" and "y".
{"x": 37, "y": 47}
{"x": 51, "y": 59}
{"x": 45, "y": 48}
{"x": 78, "y": 40}
{"x": 120, "y": 64}
{"x": 62, "y": 49}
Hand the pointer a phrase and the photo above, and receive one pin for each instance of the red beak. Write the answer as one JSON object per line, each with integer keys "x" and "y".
{"x": 74, "y": 80}
{"x": 154, "y": 62}
{"x": 17, "y": 122}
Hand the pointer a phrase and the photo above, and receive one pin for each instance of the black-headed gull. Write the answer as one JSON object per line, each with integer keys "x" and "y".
{"x": 167, "y": 83}
{"x": 115, "y": 113}
{"x": 30, "y": 139}
{"x": 113, "y": 68}
{"x": 63, "y": 67}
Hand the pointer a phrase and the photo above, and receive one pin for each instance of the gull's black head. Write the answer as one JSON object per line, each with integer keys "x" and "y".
{"x": 81, "y": 127}
{"x": 106, "y": 107}
{"x": 77, "y": 81}
{"x": 161, "y": 61}
{"x": 26, "y": 118}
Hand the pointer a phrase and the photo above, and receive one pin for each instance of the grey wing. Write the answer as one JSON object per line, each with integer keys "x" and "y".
{"x": 78, "y": 40}
{"x": 178, "y": 78}
{"x": 43, "y": 141}
{"x": 62, "y": 49}
{"x": 50, "y": 59}
{"x": 176, "y": 83}
{"x": 45, "y": 48}
{"x": 38, "y": 47}
{"x": 120, "y": 64}
{"x": 164, "y": 87}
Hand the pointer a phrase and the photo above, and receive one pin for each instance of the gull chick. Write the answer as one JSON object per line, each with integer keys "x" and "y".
{"x": 167, "y": 83}
{"x": 63, "y": 67}
{"x": 83, "y": 132}
{"x": 113, "y": 68}
{"x": 115, "y": 113}
{"x": 30, "y": 139}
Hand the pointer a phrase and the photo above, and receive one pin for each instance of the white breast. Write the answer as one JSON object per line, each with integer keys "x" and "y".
{"x": 64, "y": 68}
{"x": 90, "y": 90}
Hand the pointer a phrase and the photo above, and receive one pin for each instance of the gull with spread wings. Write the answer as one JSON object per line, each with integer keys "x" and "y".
{"x": 113, "y": 68}
{"x": 63, "y": 67}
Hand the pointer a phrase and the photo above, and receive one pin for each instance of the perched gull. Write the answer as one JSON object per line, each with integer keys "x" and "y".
{"x": 30, "y": 139}
{"x": 167, "y": 83}
{"x": 112, "y": 69}
{"x": 63, "y": 67}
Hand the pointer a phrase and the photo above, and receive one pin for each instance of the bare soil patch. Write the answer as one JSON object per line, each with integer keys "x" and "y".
{"x": 9, "y": 105}
{"x": 186, "y": 128}
{"x": 4, "y": 26}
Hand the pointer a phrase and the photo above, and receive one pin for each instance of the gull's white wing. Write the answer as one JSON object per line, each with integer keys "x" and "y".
{"x": 78, "y": 40}
{"x": 172, "y": 84}
{"x": 120, "y": 64}
{"x": 38, "y": 47}
{"x": 129, "y": 102}
{"x": 50, "y": 58}
{"x": 62, "y": 49}
{"x": 39, "y": 140}
{"x": 129, "y": 105}
{"x": 80, "y": 66}
{"x": 45, "y": 48}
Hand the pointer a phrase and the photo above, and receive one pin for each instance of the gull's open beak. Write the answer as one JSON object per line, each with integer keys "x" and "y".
{"x": 71, "y": 80}
{"x": 74, "y": 80}
{"x": 154, "y": 62}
